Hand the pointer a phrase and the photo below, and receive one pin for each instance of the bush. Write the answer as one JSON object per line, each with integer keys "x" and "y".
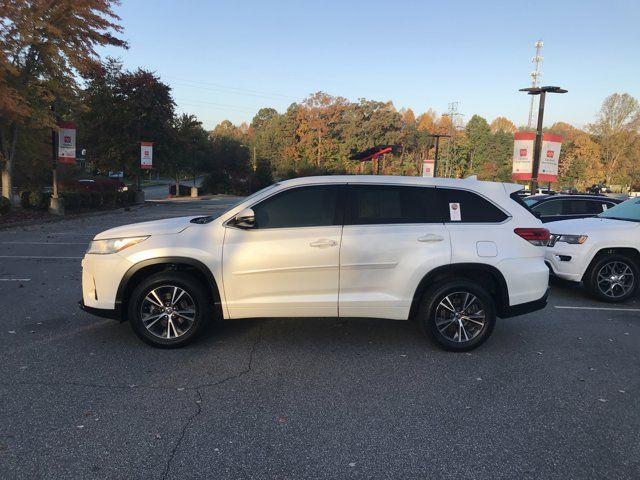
{"x": 5, "y": 205}
{"x": 39, "y": 200}
{"x": 216, "y": 182}
{"x": 78, "y": 201}
{"x": 185, "y": 190}
{"x": 24, "y": 199}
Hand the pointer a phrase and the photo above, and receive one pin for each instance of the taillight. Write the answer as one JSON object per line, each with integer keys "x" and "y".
{"x": 535, "y": 236}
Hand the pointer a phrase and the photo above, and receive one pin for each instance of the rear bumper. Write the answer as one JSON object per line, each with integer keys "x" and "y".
{"x": 113, "y": 314}
{"x": 524, "y": 308}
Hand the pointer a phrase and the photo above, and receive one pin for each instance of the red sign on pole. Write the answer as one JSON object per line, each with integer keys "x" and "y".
{"x": 146, "y": 155}
{"x": 67, "y": 142}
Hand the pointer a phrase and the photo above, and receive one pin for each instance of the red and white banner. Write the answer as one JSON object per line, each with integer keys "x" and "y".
{"x": 428, "y": 168}
{"x": 67, "y": 142}
{"x": 146, "y": 155}
{"x": 523, "y": 144}
{"x": 551, "y": 145}
{"x": 523, "y": 155}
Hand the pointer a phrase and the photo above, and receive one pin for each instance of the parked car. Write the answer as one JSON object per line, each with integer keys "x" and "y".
{"x": 603, "y": 252}
{"x": 93, "y": 185}
{"x": 569, "y": 191}
{"x": 552, "y": 208}
{"x": 185, "y": 190}
{"x": 452, "y": 254}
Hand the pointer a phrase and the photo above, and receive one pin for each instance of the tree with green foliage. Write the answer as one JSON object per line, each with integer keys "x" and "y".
{"x": 44, "y": 47}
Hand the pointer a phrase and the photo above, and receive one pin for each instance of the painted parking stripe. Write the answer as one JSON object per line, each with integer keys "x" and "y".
{"x": 608, "y": 309}
{"x": 15, "y": 279}
{"x": 43, "y": 243}
{"x": 27, "y": 257}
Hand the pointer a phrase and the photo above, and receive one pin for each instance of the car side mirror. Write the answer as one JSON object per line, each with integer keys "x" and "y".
{"x": 245, "y": 219}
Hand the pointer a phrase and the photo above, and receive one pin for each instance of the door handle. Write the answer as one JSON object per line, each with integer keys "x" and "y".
{"x": 431, "y": 237}
{"x": 323, "y": 243}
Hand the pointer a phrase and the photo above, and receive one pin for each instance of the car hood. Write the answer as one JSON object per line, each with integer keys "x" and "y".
{"x": 157, "y": 227}
{"x": 580, "y": 226}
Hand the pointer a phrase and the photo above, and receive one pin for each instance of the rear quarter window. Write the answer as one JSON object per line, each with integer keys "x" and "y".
{"x": 473, "y": 208}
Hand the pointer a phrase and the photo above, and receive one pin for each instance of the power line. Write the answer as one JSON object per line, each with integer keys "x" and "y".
{"x": 229, "y": 89}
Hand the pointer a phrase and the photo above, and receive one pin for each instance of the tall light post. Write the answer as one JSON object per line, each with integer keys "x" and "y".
{"x": 537, "y": 148}
{"x": 437, "y": 136}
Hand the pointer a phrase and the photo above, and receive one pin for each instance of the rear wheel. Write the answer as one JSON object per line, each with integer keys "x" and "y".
{"x": 458, "y": 315}
{"x": 169, "y": 309}
{"x": 612, "y": 278}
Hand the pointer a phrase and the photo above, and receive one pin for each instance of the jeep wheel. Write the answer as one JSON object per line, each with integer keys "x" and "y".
{"x": 612, "y": 278}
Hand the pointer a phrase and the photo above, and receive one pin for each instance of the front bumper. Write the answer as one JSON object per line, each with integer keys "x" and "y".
{"x": 113, "y": 314}
{"x": 565, "y": 262}
{"x": 523, "y": 308}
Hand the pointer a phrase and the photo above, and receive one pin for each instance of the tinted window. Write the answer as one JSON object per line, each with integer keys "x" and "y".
{"x": 549, "y": 209}
{"x": 596, "y": 207}
{"x": 578, "y": 207}
{"x": 385, "y": 204}
{"x": 472, "y": 207}
{"x": 299, "y": 207}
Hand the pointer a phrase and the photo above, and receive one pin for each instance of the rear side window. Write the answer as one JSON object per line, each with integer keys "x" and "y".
{"x": 550, "y": 208}
{"x": 313, "y": 206}
{"x": 389, "y": 204}
{"x": 579, "y": 207}
{"x": 468, "y": 207}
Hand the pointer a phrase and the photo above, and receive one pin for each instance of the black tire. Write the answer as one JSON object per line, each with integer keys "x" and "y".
{"x": 165, "y": 284}
{"x": 433, "y": 319}
{"x": 620, "y": 290}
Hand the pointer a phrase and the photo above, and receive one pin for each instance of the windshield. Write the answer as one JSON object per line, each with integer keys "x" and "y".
{"x": 629, "y": 210}
{"x": 530, "y": 201}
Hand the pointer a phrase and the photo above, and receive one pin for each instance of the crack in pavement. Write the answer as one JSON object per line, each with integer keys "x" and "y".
{"x": 198, "y": 388}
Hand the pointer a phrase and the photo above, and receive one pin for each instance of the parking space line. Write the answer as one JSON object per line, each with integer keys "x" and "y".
{"x": 609, "y": 309}
{"x": 43, "y": 243}
{"x": 27, "y": 257}
{"x": 15, "y": 279}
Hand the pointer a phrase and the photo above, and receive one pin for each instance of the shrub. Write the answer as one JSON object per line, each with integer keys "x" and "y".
{"x": 39, "y": 200}
{"x": 5, "y": 205}
{"x": 185, "y": 190}
{"x": 24, "y": 199}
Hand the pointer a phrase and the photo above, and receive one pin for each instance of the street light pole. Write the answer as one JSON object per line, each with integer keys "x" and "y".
{"x": 537, "y": 147}
{"x": 437, "y": 136}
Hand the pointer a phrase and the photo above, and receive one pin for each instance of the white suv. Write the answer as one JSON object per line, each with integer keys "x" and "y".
{"x": 603, "y": 251}
{"x": 453, "y": 254}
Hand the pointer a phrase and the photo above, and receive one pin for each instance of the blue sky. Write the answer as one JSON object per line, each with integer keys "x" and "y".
{"x": 226, "y": 59}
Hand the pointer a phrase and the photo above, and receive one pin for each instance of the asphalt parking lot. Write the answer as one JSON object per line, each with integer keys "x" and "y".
{"x": 553, "y": 394}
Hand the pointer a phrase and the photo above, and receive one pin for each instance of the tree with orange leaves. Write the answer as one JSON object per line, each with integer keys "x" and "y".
{"x": 44, "y": 46}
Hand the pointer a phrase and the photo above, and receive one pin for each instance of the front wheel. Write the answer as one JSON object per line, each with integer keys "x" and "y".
{"x": 169, "y": 309}
{"x": 458, "y": 315}
{"x": 612, "y": 278}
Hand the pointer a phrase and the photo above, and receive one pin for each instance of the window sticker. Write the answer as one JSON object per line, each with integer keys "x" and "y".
{"x": 454, "y": 212}
{"x": 604, "y": 207}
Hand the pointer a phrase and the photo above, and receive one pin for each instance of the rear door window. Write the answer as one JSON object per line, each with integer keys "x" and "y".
{"x": 391, "y": 204}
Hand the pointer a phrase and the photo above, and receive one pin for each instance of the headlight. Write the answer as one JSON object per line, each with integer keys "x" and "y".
{"x": 572, "y": 239}
{"x": 113, "y": 245}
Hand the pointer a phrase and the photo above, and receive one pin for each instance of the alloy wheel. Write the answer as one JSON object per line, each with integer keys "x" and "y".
{"x": 460, "y": 317}
{"x": 168, "y": 312}
{"x": 615, "y": 279}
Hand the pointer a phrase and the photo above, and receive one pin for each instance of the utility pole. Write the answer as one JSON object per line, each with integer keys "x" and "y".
{"x": 537, "y": 148}
{"x": 54, "y": 155}
{"x": 535, "y": 77}
{"x": 453, "y": 115}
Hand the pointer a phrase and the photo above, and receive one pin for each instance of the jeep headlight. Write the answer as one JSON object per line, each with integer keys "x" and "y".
{"x": 113, "y": 245}
{"x": 572, "y": 239}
